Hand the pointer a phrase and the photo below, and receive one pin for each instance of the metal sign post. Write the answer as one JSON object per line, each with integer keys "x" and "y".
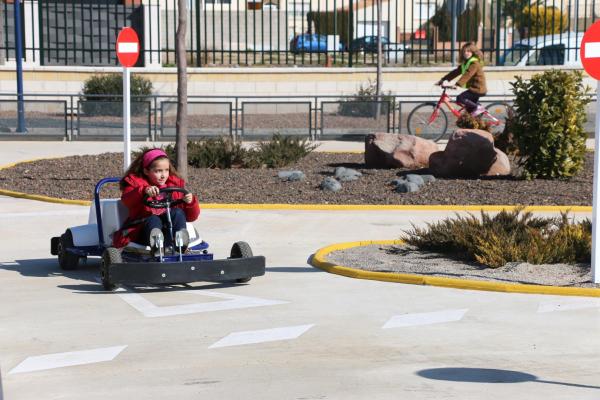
{"x": 128, "y": 51}
{"x": 590, "y": 58}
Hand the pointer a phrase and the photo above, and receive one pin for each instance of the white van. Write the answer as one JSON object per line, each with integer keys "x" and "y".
{"x": 557, "y": 49}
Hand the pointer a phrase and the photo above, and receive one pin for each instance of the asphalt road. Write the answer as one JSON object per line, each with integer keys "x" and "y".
{"x": 296, "y": 333}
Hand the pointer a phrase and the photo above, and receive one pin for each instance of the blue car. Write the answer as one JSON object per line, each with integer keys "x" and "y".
{"x": 309, "y": 43}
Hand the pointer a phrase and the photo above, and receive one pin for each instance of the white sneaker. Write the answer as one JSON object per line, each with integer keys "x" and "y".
{"x": 479, "y": 110}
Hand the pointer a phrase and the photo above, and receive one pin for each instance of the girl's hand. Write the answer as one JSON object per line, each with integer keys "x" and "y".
{"x": 188, "y": 198}
{"x": 152, "y": 191}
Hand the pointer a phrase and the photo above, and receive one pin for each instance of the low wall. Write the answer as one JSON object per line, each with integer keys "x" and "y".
{"x": 263, "y": 81}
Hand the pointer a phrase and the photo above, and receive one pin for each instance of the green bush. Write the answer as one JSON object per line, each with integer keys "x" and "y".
{"x": 109, "y": 88}
{"x": 547, "y": 126}
{"x": 364, "y": 103}
{"x": 282, "y": 150}
{"x": 467, "y": 121}
{"x": 217, "y": 153}
{"x": 509, "y": 236}
{"x": 467, "y": 24}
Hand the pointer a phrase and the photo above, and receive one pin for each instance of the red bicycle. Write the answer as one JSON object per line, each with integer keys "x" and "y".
{"x": 430, "y": 121}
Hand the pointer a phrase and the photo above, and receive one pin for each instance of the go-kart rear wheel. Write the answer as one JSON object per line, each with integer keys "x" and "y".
{"x": 241, "y": 250}
{"x": 110, "y": 256}
{"x": 66, "y": 260}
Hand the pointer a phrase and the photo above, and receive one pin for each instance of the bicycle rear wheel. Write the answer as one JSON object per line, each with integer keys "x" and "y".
{"x": 499, "y": 111}
{"x": 423, "y": 123}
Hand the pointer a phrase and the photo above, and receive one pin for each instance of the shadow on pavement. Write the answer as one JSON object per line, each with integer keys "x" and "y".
{"x": 488, "y": 375}
{"x": 292, "y": 269}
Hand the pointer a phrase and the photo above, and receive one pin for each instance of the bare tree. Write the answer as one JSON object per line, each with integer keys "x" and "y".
{"x": 181, "y": 124}
{"x": 379, "y": 61}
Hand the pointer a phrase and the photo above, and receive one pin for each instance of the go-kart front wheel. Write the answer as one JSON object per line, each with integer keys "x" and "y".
{"x": 110, "y": 256}
{"x": 67, "y": 261}
{"x": 241, "y": 250}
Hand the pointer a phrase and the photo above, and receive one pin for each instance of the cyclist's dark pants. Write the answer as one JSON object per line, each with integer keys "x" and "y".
{"x": 468, "y": 99}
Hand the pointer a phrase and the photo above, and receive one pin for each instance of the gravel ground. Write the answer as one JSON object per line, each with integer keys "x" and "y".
{"x": 75, "y": 177}
{"x": 407, "y": 259}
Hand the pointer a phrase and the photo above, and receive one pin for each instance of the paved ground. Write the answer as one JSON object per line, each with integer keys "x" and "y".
{"x": 296, "y": 333}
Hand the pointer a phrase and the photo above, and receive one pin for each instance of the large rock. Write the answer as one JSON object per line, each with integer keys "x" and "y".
{"x": 469, "y": 153}
{"x": 393, "y": 150}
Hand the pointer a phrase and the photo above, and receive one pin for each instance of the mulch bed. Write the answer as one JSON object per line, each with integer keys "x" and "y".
{"x": 75, "y": 177}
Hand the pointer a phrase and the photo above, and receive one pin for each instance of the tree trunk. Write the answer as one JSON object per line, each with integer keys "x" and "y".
{"x": 379, "y": 61}
{"x": 181, "y": 124}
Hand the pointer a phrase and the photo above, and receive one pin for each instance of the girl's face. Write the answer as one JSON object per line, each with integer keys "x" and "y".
{"x": 467, "y": 54}
{"x": 158, "y": 172}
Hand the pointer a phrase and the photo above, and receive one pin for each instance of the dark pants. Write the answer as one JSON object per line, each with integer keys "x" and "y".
{"x": 468, "y": 99}
{"x": 161, "y": 222}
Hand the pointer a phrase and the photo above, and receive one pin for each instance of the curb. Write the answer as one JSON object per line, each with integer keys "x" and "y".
{"x": 308, "y": 207}
{"x": 319, "y": 261}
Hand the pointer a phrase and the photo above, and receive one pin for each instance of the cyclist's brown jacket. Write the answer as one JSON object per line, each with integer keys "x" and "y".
{"x": 473, "y": 78}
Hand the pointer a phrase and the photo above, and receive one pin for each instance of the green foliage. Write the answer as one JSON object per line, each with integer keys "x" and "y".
{"x": 282, "y": 150}
{"x": 169, "y": 149}
{"x": 363, "y": 104}
{"x": 109, "y": 88}
{"x": 467, "y": 121}
{"x": 541, "y": 20}
{"x": 547, "y": 126}
{"x": 467, "y": 24}
{"x": 509, "y": 236}
{"x": 217, "y": 153}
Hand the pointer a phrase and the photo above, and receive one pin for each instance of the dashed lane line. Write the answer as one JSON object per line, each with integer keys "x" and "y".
{"x": 262, "y": 336}
{"x": 429, "y": 318}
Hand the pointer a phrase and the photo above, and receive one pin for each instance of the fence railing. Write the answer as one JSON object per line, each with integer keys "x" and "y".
{"x": 300, "y": 32}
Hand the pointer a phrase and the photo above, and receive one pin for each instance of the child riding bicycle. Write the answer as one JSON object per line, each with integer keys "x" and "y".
{"x": 472, "y": 78}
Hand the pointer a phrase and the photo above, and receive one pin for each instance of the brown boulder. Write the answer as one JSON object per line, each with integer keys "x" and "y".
{"x": 392, "y": 150}
{"x": 469, "y": 153}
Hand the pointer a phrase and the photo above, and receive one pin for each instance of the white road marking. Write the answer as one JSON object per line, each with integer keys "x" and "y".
{"x": 59, "y": 360}
{"x": 231, "y": 302}
{"x": 262, "y": 336}
{"x": 44, "y": 214}
{"x": 429, "y": 318}
{"x": 592, "y": 50}
{"x": 568, "y": 304}
{"x": 127, "y": 47}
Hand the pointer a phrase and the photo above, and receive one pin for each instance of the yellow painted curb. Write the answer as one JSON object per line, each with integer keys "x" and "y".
{"x": 319, "y": 260}
{"x": 310, "y": 207}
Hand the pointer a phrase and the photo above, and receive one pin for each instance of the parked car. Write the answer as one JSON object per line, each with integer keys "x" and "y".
{"x": 309, "y": 43}
{"x": 557, "y": 49}
{"x": 368, "y": 44}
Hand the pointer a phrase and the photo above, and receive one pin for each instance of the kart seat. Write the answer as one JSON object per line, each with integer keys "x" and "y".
{"x": 114, "y": 213}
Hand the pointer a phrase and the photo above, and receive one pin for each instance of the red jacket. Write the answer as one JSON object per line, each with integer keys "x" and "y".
{"x": 132, "y": 197}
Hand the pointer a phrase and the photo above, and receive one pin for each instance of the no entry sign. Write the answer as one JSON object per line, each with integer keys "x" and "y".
{"x": 128, "y": 47}
{"x": 590, "y": 51}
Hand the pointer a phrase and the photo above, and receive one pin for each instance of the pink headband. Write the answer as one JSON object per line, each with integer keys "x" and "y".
{"x": 152, "y": 155}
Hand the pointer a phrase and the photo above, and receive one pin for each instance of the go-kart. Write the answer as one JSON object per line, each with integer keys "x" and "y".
{"x": 137, "y": 264}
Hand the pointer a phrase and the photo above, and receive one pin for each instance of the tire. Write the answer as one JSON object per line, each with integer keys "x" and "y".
{"x": 499, "y": 111}
{"x": 66, "y": 260}
{"x": 241, "y": 250}
{"x": 110, "y": 256}
{"x": 418, "y": 122}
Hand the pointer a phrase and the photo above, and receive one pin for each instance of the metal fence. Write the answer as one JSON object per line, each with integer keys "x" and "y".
{"x": 300, "y": 32}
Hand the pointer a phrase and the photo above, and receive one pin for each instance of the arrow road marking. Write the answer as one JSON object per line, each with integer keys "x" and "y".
{"x": 592, "y": 50}
{"x": 231, "y": 302}
{"x": 127, "y": 47}
{"x": 436, "y": 317}
{"x": 59, "y": 360}
{"x": 261, "y": 336}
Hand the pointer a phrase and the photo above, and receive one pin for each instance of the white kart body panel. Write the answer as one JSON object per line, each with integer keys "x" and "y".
{"x": 114, "y": 214}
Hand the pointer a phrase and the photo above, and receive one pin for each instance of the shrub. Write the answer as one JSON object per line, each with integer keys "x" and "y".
{"x": 547, "y": 126}
{"x": 510, "y": 236}
{"x": 217, "y": 153}
{"x": 467, "y": 121}
{"x": 109, "y": 88}
{"x": 364, "y": 103}
{"x": 467, "y": 23}
{"x": 282, "y": 150}
{"x": 540, "y": 20}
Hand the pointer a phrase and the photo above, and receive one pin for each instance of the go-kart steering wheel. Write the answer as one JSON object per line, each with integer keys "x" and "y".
{"x": 167, "y": 201}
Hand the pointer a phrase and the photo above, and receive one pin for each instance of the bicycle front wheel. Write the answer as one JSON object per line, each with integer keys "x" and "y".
{"x": 499, "y": 112}
{"x": 428, "y": 122}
